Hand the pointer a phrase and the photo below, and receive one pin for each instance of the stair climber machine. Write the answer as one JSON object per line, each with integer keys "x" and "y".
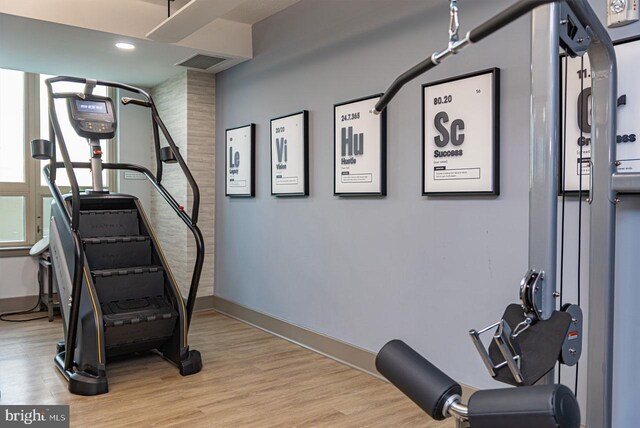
{"x": 537, "y": 333}
{"x": 117, "y": 293}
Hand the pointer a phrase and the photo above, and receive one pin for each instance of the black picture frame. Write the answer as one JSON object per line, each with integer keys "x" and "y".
{"x": 495, "y": 147}
{"x": 561, "y": 170}
{"x": 252, "y": 179}
{"x": 383, "y": 150}
{"x": 305, "y": 145}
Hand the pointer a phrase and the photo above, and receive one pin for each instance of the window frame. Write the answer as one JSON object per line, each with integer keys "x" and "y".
{"x": 33, "y": 189}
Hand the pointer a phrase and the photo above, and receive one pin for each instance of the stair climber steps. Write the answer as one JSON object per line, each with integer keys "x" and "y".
{"x": 128, "y": 283}
{"x": 118, "y": 251}
{"x": 137, "y": 324}
{"x": 97, "y": 223}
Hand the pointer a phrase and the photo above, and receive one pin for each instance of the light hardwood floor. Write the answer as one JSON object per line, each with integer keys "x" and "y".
{"x": 250, "y": 379}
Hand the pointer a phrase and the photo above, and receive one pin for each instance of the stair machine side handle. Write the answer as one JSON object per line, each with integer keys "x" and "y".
{"x": 200, "y": 250}
{"x": 73, "y": 222}
{"x": 78, "y": 254}
{"x": 185, "y": 169}
{"x": 158, "y": 125}
{"x": 156, "y": 136}
{"x": 544, "y": 406}
{"x": 195, "y": 230}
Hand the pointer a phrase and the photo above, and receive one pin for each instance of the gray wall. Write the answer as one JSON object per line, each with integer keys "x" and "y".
{"x": 421, "y": 269}
{"x": 368, "y": 270}
{"x": 19, "y": 277}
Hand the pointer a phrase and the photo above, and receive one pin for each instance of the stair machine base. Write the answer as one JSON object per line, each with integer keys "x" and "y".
{"x": 81, "y": 383}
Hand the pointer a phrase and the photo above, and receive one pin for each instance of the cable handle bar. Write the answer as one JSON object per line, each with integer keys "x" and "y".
{"x": 510, "y": 14}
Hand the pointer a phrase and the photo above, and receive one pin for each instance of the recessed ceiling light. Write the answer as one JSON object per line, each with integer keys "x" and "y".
{"x": 125, "y": 46}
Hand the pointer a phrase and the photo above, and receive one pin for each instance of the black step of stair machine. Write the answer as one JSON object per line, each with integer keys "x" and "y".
{"x": 131, "y": 289}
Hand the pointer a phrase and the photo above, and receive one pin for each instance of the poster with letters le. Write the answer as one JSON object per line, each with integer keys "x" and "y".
{"x": 240, "y": 161}
{"x": 290, "y": 155}
{"x": 575, "y": 156}
{"x": 460, "y": 144}
{"x": 360, "y": 148}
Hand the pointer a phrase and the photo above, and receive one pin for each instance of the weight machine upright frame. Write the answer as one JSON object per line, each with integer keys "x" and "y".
{"x": 543, "y": 200}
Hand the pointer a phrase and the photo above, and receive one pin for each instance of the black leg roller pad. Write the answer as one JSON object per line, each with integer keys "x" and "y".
{"x": 417, "y": 378}
{"x": 546, "y": 406}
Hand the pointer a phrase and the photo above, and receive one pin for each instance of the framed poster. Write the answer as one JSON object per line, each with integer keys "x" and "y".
{"x": 240, "y": 161}
{"x": 575, "y": 152}
{"x": 290, "y": 155}
{"x": 460, "y": 135}
{"x": 360, "y": 148}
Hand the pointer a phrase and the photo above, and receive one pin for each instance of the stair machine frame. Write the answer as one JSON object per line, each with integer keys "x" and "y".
{"x": 74, "y": 263}
{"x": 574, "y": 24}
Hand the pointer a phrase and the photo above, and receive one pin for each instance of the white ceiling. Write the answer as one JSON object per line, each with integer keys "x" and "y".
{"x": 76, "y": 37}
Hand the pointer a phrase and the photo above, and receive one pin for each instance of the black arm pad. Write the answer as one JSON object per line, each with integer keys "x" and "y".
{"x": 545, "y": 406}
{"x": 416, "y": 377}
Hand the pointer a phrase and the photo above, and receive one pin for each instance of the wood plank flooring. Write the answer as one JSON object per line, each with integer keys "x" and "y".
{"x": 250, "y": 379}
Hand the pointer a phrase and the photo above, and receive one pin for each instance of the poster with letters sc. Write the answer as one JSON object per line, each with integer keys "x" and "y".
{"x": 460, "y": 144}
{"x": 240, "y": 161}
{"x": 290, "y": 155}
{"x": 360, "y": 148}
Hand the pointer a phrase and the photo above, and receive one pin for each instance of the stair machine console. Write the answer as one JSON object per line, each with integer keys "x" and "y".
{"x": 118, "y": 295}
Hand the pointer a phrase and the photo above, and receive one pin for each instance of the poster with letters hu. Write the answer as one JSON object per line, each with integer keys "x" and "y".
{"x": 240, "y": 161}
{"x": 460, "y": 135}
{"x": 575, "y": 152}
{"x": 360, "y": 149}
{"x": 290, "y": 155}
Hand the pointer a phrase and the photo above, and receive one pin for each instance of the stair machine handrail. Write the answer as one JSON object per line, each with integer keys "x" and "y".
{"x": 197, "y": 233}
{"x": 73, "y": 214}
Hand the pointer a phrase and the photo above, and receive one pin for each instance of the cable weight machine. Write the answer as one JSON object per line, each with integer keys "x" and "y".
{"x": 533, "y": 335}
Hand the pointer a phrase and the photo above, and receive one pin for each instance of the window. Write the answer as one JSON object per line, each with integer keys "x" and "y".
{"x": 15, "y": 194}
{"x": 25, "y": 200}
{"x": 12, "y": 126}
{"x": 13, "y": 229}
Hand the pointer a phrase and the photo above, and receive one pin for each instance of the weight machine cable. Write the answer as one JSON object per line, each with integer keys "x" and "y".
{"x": 564, "y": 181}
{"x": 582, "y": 74}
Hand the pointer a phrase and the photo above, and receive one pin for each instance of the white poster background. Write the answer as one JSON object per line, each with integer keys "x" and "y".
{"x": 238, "y": 148}
{"x": 469, "y": 100}
{"x": 363, "y": 128}
{"x": 628, "y": 152}
{"x": 290, "y": 179}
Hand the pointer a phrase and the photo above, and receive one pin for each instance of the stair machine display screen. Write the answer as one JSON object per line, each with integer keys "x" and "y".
{"x": 92, "y": 117}
{"x": 91, "y": 106}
